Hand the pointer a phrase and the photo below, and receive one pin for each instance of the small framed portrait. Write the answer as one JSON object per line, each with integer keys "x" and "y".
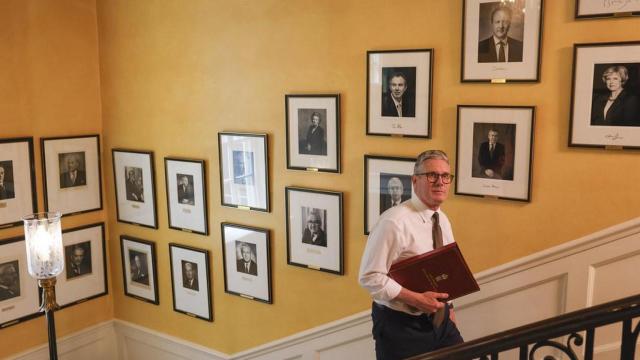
{"x": 139, "y": 269}
{"x": 495, "y": 148}
{"x": 247, "y": 263}
{"x": 186, "y": 195}
{"x": 589, "y": 9}
{"x": 17, "y": 181}
{"x": 244, "y": 178}
{"x": 605, "y": 102}
{"x": 191, "y": 282}
{"x": 314, "y": 229}
{"x": 72, "y": 172}
{"x": 19, "y": 300}
{"x": 85, "y": 268}
{"x": 501, "y": 40}
{"x": 134, "y": 177}
{"x": 313, "y": 132}
{"x": 399, "y": 92}
{"x": 387, "y": 184}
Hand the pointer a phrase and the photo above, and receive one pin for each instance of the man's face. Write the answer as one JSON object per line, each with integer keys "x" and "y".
{"x": 8, "y": 275}
{"x": 77, "y": 256}
{"x": 493, "y": 137}
{"x": 500, "y": 23}
{"x": 131, "y": 175}
{"x": 188, "y": 271}
{"x": 72, "y": 163}
{"x": 313, "y": 223}
{"x": 137, "y": 261}
{"x": 246, "y": 253}
{"x": 395, "y": 189}
{"x": 1, "y": 174}
{"x": 432, "y": 194}
{"x": 184, "y": 181}
{"x": 315, "y": 120}
{"x": 397, "y": 85}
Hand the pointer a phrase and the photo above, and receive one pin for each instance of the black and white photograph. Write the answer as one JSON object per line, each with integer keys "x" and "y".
{"x": 134, "y": 177}
{"x": 495, "y": 147}
{"x": 399, "y": 92}
{"x": 313, "y": 132}
{"x": 77, "y": 259}
{"x": 501, "y": 40}
{"x": 387, "y": 184}
{"x": 19, "y": 300}
{"x": 190, "y": 279}
{"x": 139, "y": 269}
{"x": 590, "y": 9}
{"x": 247, "y": 262}
{"x": 7, "y": 190}
{"x": 85, "y": 265}
{"x": 186, "y": 195}
{"x": 605, "y": 105}
{"x": 17, "y": 181}
{"x": 314, "y": 229}
{"x": 244, "y": 179}
{"x": 72, "y": 174}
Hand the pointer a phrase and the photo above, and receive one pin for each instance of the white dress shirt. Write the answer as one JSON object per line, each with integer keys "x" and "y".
{"x": 496, "y": 44}
{"x": 401, "y": 232}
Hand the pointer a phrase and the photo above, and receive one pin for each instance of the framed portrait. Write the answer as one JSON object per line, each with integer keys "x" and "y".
{"x": 313, "y": 132}
{"x": 191, "y": 281}
{"x": 139, "y": 269}
{"x": 501, "y": 40}
{"x": 72, "y": 174}
{"x": 399, "y": 92}
{"x": 605, "y": 101}
{"x": 494, "y": 151}
{"x": 134, "y": 177}
{"x": 85, "y": 267}
{"x": 19, "y": 296}
{"x": 17, "y": 181}
{"x": 186, "y": 195}
{"x": 314, "y": 229}
{"x": 387, "y": 183}
{"x": 588, "y": 9}
{"x": 244, "y": 177}
{"x": 247, "y": 263}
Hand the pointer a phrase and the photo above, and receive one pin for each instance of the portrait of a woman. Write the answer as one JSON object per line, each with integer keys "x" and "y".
{"x": 618, "y": 106}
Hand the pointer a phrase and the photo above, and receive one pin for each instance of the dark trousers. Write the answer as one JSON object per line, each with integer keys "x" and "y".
{"x": 399, "y": 335}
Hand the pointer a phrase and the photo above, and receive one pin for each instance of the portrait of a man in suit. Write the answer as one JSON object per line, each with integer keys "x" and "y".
{"x": 9, "y": 280}
{"x": 6, "y": 180}
{"x": 394, "y": 189}
{"x": 78, "y": 259}
{"x": 72, "y": 169}
{"x": 242, "y": 167}
{"x": 494, "y": 145}
{"x": 313, "y": 141}
{"x": 185, "y": 189}
{"x": 499, "y": 47}
{"x": 398, "y": 92}
{"x": 314, "y": 232}
{"x": 134, "y": 186}
{"x": 139, "y": 267}
{"x": 246, "y": 258}
{"x": 190, "y": 275}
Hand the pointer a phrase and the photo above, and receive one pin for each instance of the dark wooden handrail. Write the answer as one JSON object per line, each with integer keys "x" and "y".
{"x": 587, "y": 319}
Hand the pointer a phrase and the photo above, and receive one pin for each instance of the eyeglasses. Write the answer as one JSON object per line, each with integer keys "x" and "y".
{"x": 432, "y": 177}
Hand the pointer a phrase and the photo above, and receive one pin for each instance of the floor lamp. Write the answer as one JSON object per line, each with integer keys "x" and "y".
{"x": 45, "y": 259}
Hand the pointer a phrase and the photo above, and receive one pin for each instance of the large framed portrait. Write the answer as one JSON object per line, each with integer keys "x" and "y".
{"x": 501, "y": 40}
{"x": 191, "y": 281}
{"x": 313, "y": 132}
{"x": 494, "y": 151}
{"x": 19, "y": 300}
{"x": 139, "y": 269}
{"x": 605, "y": 102}
{"x": 186, "y": 195}
{"x": 587, "y": 9}
{"x": 314, "y": 229}
{"x": 387, "y": 183}
{"x": 399, "y": 92}
{"x": 244, "y": 177}
{"x": 134, "y": 177}
{"x": 247, "y": 263}
{"x": 72, "y": 174}
{"x": 85, "y": 267}
{"x": 17, "y": 181}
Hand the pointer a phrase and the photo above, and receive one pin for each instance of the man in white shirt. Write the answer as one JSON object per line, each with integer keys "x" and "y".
{"x": 499, "y": 47}
{"x": 403, "y": 320}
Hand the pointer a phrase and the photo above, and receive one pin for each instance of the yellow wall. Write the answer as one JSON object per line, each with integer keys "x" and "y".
{"x": 50, "y": 86}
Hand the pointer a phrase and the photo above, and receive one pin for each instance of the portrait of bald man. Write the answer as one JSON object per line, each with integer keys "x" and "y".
{"x": 72, "y": 171}
{"x": 394, "y": 189}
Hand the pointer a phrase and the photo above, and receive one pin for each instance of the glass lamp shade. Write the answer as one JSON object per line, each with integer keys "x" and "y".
{"x": 43, "y": 238}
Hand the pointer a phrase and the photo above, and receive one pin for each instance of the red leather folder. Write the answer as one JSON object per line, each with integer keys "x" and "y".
{"x": 441, "y": 270}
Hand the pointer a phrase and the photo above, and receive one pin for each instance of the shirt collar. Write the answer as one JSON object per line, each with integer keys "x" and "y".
{"x": 423, "y": 210}
{"x": 496, "y": 41}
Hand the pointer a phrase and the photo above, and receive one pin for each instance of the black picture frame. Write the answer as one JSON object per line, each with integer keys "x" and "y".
{"x": 596, "y": 122}
{"x": 313, "y": 148}
{"x": 18, "y": 171}
{"x": 135, "y": 187}
{"x": 593, "y": 9}
{"x": 191, "y": 293}
{"x": 139, "y": 269}
{"x": 186, "y": 189}
{"x": 250, "y": 280}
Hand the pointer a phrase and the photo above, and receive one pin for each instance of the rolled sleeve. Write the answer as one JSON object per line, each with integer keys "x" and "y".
{"x": 378, "y": 256}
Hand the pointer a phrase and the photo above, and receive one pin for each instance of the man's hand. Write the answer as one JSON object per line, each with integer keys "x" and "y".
{"x": 428, "y": 302}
